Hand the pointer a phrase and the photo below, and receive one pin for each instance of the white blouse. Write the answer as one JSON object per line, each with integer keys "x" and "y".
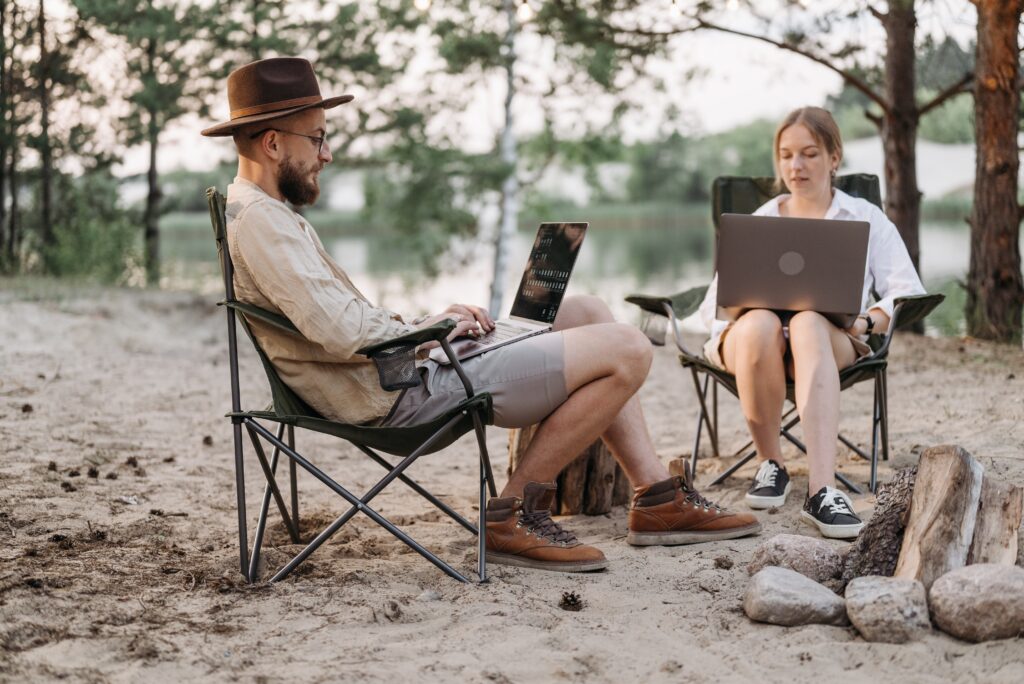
{"x": 888, "y": 268}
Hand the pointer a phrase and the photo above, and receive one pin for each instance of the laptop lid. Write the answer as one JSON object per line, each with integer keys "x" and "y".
{"x": 547, "y": 271}
{"x": 792, "y": 264}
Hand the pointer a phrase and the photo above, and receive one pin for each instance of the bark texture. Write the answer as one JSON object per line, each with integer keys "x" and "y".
{"x": 995, "y": 291}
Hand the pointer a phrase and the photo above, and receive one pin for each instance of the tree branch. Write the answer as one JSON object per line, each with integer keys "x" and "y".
{"x": 849, "y": 77}
{"x": 954, "y": 89}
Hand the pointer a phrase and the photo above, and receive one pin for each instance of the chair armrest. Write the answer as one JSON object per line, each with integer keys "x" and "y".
{"x": 414, "y": 338}
{"x": 683, "y": 303}
{"x": 276, "y": 320}
{"x": 672, "y": 307}
{"x": 907, "y": 311}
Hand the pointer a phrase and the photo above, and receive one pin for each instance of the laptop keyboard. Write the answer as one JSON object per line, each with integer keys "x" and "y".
{"x": 502, "y": 331}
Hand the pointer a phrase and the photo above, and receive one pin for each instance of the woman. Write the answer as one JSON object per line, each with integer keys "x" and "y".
{"x": 761, "y": 347}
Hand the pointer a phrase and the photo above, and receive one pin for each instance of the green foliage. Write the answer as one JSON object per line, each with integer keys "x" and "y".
{"x": 679, "y": 169}
{"x": 95, "y": 238}
{"x": 953, "y": 122}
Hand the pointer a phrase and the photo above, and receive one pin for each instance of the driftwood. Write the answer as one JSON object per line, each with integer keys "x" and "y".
{"x": 943, "y": 511}
{"x": 999, "y": 517}
{"x": 877, "y": 548}
{"x": 592, "y": 484}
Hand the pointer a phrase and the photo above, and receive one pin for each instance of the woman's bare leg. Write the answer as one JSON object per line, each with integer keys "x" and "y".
{"x": 820, "y": 350}
{"x": 753, "y": 351}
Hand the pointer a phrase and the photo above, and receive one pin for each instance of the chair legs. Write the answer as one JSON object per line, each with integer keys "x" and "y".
{"x": 250, "y": 562}
{"x": 879, "y": 433}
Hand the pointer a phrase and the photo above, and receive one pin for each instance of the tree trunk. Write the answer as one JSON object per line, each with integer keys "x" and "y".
{"x": 46, "y": 234}
{"x": 151, "y": 218}
{"x": 5, "y": 90}
{"x": 592, "y": 484}
{"x": 899, "y": 126}
{"x": 995, "y": 291}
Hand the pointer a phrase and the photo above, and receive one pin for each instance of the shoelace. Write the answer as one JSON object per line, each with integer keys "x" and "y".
{"x": 766, "y": 474}
{"x": 836, "y": 502}
{"x": 694, "y": 497}
{"x": 541, "y": 524}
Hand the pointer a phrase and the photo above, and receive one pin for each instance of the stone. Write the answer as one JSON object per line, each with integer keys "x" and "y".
{"x": 810, "y": 557}
{"x": 888, "y": 609}
{"x": 781, "y": 596}
{"x": 429, "y": 595}
{"x": 979, "y": 602}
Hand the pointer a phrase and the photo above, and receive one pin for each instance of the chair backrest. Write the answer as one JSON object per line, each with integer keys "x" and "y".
{"x": 744, "y": 194}
{"x": 286, "y": 402}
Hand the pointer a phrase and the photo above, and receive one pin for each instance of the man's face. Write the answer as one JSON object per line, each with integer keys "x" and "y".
{"x": 299, "y": 169}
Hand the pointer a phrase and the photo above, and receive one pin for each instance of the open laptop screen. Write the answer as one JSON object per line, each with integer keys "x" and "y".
{"x": 547, "y": 271}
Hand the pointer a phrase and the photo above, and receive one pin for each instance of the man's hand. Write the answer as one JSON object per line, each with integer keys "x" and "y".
{"x": 469, "y": 321}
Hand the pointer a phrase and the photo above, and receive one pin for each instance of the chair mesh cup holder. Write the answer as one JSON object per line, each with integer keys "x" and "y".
{"x": 655, "y": 327}
{"x": 396, "y": 367}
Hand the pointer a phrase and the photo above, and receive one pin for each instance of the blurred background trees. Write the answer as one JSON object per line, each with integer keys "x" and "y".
{"x": 86, "y": 82}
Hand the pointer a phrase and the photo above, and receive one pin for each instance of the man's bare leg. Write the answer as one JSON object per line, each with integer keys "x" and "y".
{"x": 605, "y": 364}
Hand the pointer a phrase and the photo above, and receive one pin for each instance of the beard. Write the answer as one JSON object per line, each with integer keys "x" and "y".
{"x": 297, "y": 183}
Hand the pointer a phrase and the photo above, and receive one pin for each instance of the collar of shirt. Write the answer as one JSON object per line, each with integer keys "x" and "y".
{"x": 842, "y": 206}
{"x": 245, "y": 192}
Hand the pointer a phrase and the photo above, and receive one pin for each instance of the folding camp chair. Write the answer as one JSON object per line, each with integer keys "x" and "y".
{"x": 743, "y": 195}
{"x": 395, "y": 360}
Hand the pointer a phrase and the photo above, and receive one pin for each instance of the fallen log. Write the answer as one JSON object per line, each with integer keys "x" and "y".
{"x": 999, "y": 517}
{"x": 943, "y": 511}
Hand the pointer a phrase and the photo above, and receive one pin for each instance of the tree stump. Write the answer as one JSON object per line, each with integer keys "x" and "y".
{"x": 943, "y": 511}
{"x": 591, "y": 484}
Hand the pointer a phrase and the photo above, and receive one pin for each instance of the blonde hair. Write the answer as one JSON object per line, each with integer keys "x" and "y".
{"x": 823, "y": 129}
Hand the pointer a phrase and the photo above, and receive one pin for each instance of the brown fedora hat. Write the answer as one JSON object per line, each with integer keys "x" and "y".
{"x": 270, "y": 89}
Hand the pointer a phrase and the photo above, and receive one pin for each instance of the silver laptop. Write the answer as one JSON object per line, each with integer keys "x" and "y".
{"x": 792, "y": 264}
{"x": 539, "y": 295}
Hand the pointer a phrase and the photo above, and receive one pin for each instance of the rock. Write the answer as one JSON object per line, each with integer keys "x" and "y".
{"x": 782, "y": 596}
{"x": 811, "y": 557}
{"x": 979, "y": 602}
{"x": 888, "y": 609}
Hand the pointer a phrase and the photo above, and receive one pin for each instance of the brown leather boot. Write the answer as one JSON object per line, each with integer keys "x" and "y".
{"x": 521, "y": 532}
{"x": 672, "y": 512}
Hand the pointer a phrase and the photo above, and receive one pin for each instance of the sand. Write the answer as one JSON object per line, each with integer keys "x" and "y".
{"x": 129, "y": 571}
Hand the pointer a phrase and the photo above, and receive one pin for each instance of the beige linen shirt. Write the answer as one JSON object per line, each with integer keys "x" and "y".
{"x": 281, "y": 265}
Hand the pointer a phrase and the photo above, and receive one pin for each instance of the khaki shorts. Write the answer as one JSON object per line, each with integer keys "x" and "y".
{"x": 713, "y": 348}
{"x": 525, "y": 379}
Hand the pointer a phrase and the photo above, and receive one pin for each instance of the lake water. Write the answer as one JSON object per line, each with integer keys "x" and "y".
{"x": 621, "y": 255}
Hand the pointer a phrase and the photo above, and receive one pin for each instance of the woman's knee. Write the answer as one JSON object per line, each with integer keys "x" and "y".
{"x": 809, "y": 325}
{"x": 758, "y": 329}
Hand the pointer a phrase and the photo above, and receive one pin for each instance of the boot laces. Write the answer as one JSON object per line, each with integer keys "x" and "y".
{"x": 694, "y": 497}
{"x": 541, "y": 524}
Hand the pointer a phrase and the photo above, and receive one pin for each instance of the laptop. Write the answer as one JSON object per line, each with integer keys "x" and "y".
{"x": 792, "y": 264}
{"x": 539, "y": 295}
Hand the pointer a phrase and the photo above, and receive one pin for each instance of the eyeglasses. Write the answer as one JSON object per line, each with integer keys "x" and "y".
{"x": 318, "y": 140}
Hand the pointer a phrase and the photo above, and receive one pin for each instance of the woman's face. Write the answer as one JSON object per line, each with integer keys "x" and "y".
{"x": 804, "y": 164}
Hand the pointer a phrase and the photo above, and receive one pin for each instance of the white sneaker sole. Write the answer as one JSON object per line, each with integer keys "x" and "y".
{"x": 762, "y": 502}
{"x": 833, "y": 531}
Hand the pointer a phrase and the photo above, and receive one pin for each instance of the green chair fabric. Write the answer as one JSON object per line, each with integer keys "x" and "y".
{"x": 737, "y": 194}
{"x": 289, "y": 410}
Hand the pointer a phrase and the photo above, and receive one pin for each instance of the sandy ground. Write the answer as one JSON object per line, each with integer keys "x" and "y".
{"x": 133, "y": 385}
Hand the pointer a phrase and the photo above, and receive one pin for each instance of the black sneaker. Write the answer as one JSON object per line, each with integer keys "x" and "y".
{"x": 770, "y": 486}
{"x": 832, "y": 512}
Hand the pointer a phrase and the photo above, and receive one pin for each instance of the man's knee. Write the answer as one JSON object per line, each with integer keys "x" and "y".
{"x": 581, "y": 310}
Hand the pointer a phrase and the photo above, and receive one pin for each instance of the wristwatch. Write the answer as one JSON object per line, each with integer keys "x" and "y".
{"x": 870, "y": 323}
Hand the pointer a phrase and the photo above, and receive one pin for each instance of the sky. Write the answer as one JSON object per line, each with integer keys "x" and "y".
{"x": 740, "y": 80}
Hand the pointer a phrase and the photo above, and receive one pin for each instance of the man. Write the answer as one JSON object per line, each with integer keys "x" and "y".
{"x": 578, "y": 382}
